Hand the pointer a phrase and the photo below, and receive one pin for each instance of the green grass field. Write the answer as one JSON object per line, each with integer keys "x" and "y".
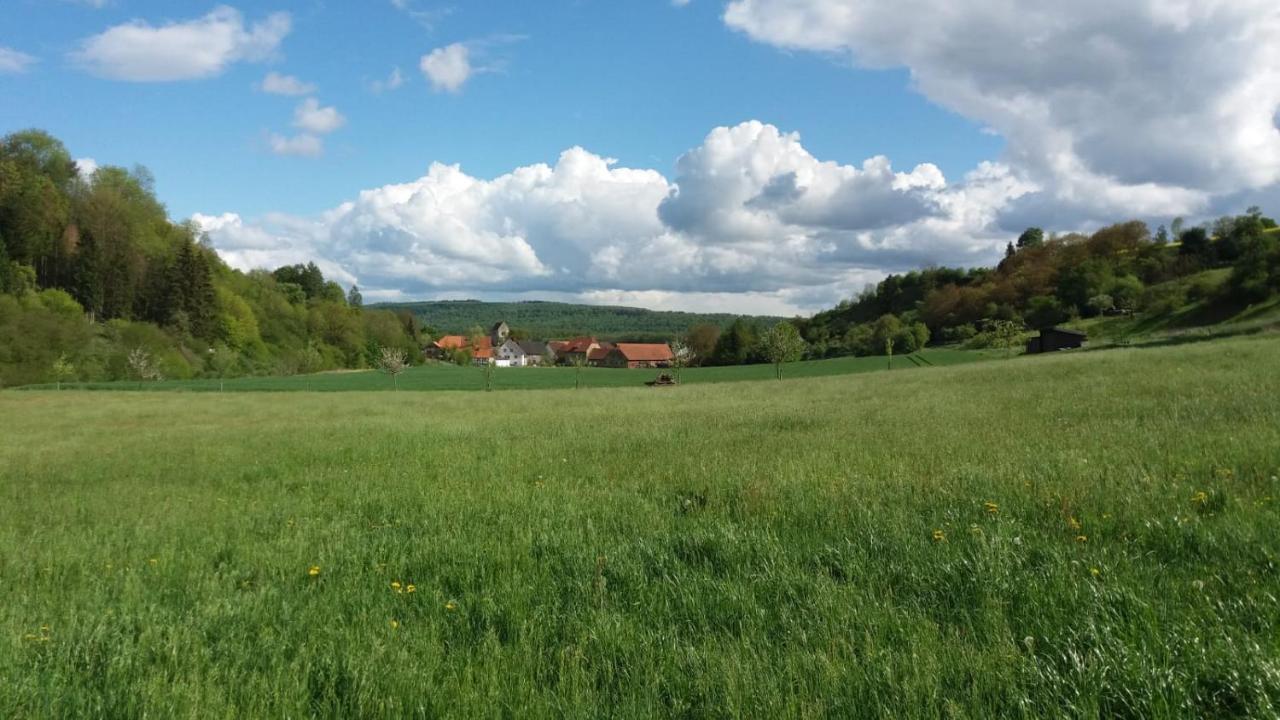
{"x": 444, "y": 376}
{"x": 1078, "y": 535}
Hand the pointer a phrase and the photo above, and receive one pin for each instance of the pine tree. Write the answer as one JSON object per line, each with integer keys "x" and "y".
{"x": 86, "y": 278}
{"x": 4, "y": 266}
{"x": 202, "y": 298}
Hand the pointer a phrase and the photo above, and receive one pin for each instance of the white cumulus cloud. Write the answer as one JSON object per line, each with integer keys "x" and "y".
{"x": 277, "y": 84}
{"x": 302, "y": 145}
{"x": 447, "y": 68}
{"x": 750, "y": 214}
{"x": 204, "y": 47}
{"x": 311, "y": 117}
{"x": 1116, "y": 109}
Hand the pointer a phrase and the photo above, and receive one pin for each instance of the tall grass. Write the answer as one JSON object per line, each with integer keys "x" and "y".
{"x": 1080, "y": 535}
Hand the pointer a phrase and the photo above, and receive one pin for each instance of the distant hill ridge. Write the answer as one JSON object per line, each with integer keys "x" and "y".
{"x": 544, "y": 319}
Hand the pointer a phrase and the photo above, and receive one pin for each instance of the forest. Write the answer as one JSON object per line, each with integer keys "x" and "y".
{"x": 1045, "y": 280}
{"x": 96, "y": 283}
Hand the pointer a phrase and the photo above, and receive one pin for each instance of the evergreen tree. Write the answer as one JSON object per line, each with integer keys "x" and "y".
{"x": 1031, "y": 237}
{"x": 4, "y": 266}
{"x": 86, "y": 281}
{"x": 736, "y": 345}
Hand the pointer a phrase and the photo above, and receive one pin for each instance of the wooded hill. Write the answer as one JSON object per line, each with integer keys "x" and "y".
{"x": 560, "y": 320}
{"x": 93, "y": 273}
{"x": 1121, "y": 270}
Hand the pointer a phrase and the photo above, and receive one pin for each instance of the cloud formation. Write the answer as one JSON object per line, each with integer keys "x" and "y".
{"x": 13, "y": 62}
{"x": 750, "y": 214}
{"x": 447, "y": 68}
{"x": 301, "y": 145}
{"x": 1113, "y": 108}
{"x": 200, "y": 48}
{"x": 276, "y": 84}
{"x": 311, "y": 117}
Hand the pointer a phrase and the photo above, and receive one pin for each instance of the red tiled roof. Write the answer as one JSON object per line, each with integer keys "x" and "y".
{"x": 483, "y": 354}
{"x": 645, "y": 352}
{"x": 457, "y": 342}
{"x": 598, "y": 353}
{"x": 579, "y": 344}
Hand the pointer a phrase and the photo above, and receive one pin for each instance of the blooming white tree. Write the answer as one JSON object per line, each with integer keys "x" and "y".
{"x": 393, "y": 361}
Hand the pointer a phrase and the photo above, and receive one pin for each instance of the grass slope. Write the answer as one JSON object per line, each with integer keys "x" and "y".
{"x": 1204, "y": 317}
{"x": 553, "y": 319}
{"x": 443, "y": 376}
{"x": 1106, "y": 546}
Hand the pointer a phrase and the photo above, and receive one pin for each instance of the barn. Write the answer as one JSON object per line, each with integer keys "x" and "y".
{"x": 638, "y": 355}
{"x": 1053, "y": 339}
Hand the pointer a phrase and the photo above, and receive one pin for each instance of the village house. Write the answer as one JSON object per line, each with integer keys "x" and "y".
{"x": 447, "y": 344}
{"x": 596, "y": 356}
{"x": 537, "y": 353}
{"x": 527, "y": 353}
{"x": 501, "y": 350}
{"x": 571, "y": 352}
{"x": 638, "y": 355}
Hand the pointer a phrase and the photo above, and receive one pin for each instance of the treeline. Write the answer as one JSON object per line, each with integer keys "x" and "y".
{"x": 1043, "y": 281}
{"x": 548, "y": 320}
{"x": 92, "y": 271}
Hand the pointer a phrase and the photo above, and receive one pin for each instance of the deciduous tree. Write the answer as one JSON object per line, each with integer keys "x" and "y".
{"x": 782, "y": 344}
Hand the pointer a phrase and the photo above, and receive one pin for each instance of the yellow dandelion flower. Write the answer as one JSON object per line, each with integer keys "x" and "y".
{"x": 1200, "y": 498}
{"x": 991, "y": 508}
{"x": 451, "y": 606}
{"x": 395, "y": 585}
{"x": 314, "y": 571}
{"x": 1095, "y": 572}
{"x": 395, "y": 624}
{"x": 939, "y": 536}
{"x": 410, "y": 588}
{"x": 1082, "y": 538}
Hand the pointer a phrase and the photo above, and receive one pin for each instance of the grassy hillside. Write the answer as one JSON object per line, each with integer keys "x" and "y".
{"x": 1196, "y": 309}
{"x": 445, "y": 376}
{"x": 557, "y": 320}
{"x": 1079, "y": 535}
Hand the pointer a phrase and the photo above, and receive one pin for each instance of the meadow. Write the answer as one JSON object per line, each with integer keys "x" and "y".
{"x": 1078, "y": 535}
{"x": 447, "y": 376}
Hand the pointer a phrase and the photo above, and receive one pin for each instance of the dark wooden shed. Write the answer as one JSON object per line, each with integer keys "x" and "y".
{"x": 1053, "y": 339}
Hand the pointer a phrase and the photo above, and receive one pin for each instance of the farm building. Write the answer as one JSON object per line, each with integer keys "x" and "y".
{"x": 638, "y": 355}
{"x": 1053, "y": 339}
{"x": 441, "y": 347}
{"x": 597, "y": 355}
{"x": 536, "y": 352}
{"x": 576, "y": 350}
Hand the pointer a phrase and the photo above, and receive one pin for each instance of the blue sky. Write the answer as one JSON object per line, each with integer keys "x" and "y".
{"x": 979, "y": 132}
{"x": 638, "y": 81}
